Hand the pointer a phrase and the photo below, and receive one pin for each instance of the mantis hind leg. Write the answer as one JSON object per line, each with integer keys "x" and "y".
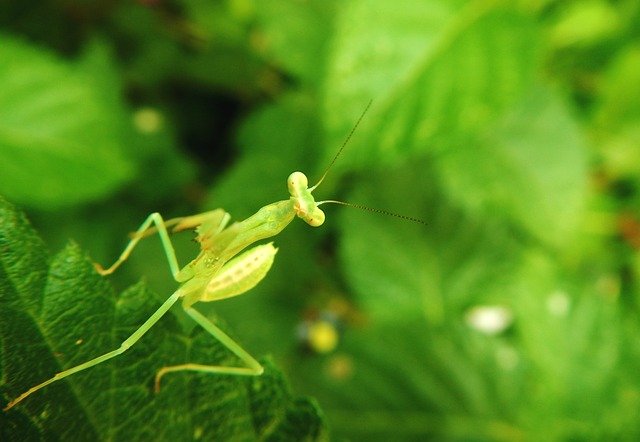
{"x": 124, "y": 346}
{"x": 218, "y": 217}
{"x": 252, "y": 368}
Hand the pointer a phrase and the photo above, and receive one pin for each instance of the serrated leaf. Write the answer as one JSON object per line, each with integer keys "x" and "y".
{"x": 59, "y": 136}
{"x": 74, "y": 316}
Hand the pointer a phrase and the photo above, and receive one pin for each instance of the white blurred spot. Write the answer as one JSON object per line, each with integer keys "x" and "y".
{"x": 488, "y": 319}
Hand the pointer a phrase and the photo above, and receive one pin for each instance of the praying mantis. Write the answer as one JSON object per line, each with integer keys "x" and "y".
{"x": 219, "y": 271}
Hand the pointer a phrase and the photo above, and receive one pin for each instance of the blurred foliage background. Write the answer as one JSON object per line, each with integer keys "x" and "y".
{"x": 511, "y": 127}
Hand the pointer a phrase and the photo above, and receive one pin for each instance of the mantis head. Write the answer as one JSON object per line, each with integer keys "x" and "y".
{"x": 304, "y": 203}
{"x": 306, "y": 207}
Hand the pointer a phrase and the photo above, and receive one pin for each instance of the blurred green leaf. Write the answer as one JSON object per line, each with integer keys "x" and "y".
{"x": 437, "y": 72}
{"x": 59, "y": 136}
{"x": 530, "y": 166}
{"x": 557, "y": 373}
{"x": 423, "y": 271}
{"x": 302, "y": 57}
{"x": 462, "y": 90}
{"x": 617, "y": 120}
{"x": 585, "y": 23}
{"x": 61, "y": 315}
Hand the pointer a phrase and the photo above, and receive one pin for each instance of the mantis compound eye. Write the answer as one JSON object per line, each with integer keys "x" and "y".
{"x": 297, "y": 183}
{"x": 315, "y": 218}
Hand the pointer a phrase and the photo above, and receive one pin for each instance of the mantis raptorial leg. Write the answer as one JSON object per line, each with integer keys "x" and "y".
{"x": 219, "y": 217}
{"x": 218, "y": 272}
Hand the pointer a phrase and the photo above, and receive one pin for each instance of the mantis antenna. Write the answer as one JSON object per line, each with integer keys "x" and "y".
{"x": 353, "y": 129}
{"x": 381, "y": 212}
{"x": 358, "y": 206}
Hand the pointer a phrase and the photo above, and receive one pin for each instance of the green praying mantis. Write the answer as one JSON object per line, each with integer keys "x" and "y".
{"x": 218, "y": 272}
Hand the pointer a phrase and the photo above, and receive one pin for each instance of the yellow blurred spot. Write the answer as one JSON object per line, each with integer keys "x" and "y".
{"x": 147, "y": 120}
{"x": 323, "y": 337}
{"x": 339, "y": 367}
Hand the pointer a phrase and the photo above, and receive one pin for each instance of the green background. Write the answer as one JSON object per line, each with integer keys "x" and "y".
{"x": 510, "y": 127}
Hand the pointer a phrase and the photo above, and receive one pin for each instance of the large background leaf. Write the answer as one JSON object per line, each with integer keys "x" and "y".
{"x": 60, "y": 134}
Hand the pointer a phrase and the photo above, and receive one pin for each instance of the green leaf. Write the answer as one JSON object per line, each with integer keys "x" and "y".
{"x": 617, "y": 121}
{"x": 558, "y": 372}
{"x": 456, "y": 81}
{"x": 60, "y": 128}
{"x": 302, "y": 57}
{"x": 58, "y": 316}
{"x": 436, "y": 71}
{"x": 422, "y": 271}
{"x": 530, "y": 166}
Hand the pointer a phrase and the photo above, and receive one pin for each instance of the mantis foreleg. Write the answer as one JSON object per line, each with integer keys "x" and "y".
{"x": 161, "y": 225}
{"x": 156, "y": 219}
